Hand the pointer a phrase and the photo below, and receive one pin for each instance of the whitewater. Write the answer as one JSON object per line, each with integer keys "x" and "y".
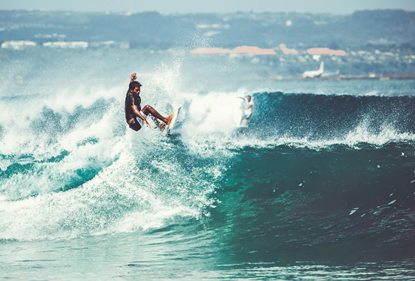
{"x": 320, "y": 186}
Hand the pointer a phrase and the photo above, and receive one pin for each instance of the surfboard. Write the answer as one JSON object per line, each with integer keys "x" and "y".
{"x": 167, "y": 128}
{"x": 170, "y": 127}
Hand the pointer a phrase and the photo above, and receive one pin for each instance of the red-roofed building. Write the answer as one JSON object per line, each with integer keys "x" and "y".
{"x": 326, "y": 51}
{"x": 340, "y": 53}
{"x": 288, "y": 51}
{"x": 209, "y": 51}
{"x": 252, "y": 50}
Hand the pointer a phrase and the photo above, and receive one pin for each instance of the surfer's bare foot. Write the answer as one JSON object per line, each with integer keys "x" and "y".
{"x": 169, "y": 119}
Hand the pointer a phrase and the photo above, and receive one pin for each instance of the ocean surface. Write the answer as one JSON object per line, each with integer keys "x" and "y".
{"x": 320, "y": 186}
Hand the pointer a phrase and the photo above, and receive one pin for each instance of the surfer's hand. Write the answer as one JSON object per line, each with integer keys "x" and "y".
{"x": 148, "y": 125}
{"x": 133, "y": 77}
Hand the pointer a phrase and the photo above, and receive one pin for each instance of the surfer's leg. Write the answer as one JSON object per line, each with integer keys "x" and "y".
{"x": 244, "y": 117}
{"x": 247, "y": 118}
{"x": 148, "y": 109}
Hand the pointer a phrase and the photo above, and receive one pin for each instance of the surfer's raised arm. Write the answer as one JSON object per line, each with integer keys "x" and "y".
{"x": 133, "y": 77}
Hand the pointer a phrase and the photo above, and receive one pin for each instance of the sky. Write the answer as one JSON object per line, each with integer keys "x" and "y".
{"x": 208, "y": 6}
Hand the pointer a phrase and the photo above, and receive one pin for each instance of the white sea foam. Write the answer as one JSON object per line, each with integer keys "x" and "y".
{"x": 122, "y": 197}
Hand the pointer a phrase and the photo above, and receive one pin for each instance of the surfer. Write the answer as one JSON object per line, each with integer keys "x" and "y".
{"x": 134, "y": 115}
{"x": 247, "y": 111}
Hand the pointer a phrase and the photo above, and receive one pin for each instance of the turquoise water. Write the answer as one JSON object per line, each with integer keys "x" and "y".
{"x": 320, "y": 186}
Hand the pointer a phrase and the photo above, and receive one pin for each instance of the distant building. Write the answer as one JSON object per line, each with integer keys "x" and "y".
{"x": 17, "y": 45}
{"x": 67, "y": 45}
{"x": 252, "y": 50}
{"x": 238, "y": 50}
{"x": 287, "y": 51}
{"x": 326, "y": 51}
{"x": 121, "y": 45}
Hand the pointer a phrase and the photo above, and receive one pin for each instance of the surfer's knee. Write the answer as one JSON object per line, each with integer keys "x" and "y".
{"x": 146, "y": 109}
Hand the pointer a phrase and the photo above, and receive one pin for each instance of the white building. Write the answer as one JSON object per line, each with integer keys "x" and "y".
{"x": 17, "y": 45}
{"x": 66, "y": 45}
{"x": 121, "y": 45}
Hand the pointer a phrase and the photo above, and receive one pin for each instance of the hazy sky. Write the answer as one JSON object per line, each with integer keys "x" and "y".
{"x": 209, "y": 6}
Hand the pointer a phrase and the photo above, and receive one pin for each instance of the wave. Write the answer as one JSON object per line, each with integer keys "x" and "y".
{"x": 70, "y": 167}
{"x": 340, "y": 205}
{"x": 316, "y": 116}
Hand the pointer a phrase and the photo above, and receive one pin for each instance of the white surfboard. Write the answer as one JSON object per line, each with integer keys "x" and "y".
{"x": 167, "y": 128}
{"x": 170, "y": 127}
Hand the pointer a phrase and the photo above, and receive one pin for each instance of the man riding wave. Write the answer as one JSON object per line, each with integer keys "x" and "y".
{"x": 247, "y": 111}
{"x": 134, "y": 115}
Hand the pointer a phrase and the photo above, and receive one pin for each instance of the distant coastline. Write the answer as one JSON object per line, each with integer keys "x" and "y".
{"x": 378, "y": 44}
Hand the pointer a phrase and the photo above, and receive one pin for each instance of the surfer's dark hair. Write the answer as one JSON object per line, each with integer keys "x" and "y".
{"x": 134, "y": 85}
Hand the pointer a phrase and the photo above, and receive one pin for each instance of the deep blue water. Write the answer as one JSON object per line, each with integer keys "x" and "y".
{"x": 320, "y": 186}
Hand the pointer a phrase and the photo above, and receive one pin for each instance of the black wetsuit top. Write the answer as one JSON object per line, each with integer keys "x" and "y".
{"x": 129, "y": 101}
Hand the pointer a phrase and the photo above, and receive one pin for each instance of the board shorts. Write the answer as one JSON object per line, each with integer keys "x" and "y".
{"x": 246, "y": 116}
{"x": 137, "y": 122}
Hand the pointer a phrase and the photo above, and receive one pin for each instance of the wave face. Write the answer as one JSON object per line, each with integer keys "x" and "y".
{"x": 316, "y": 177}
{"x": 338, "y": 204}
{"x": 347, "y": 119}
